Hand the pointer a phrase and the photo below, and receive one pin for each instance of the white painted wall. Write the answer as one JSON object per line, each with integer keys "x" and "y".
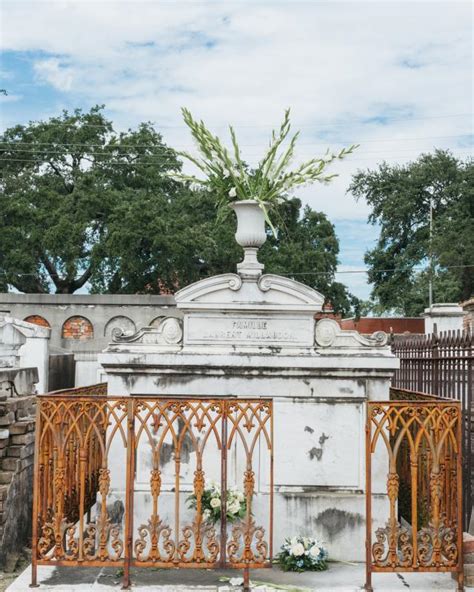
{"x": 29, "y": 345}
{"x": 448, "y": 316}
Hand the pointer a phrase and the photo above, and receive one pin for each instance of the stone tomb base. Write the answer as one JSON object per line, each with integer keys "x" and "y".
{"x": 319, "y": 447}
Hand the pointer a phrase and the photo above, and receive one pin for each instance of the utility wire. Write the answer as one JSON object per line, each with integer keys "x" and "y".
{"x": 188, "y": 146}
{"x": 362, "y": 120}
{"x": 353, "y": 271}
{"x": 112, "y": 152}
{"x": 144, "y": 161}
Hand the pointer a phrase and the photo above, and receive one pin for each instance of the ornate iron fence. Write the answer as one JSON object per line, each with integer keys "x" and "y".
{"x": 420, "y": 443}
{"x": 122, "y": 481}
{"x": 443, "y": 365}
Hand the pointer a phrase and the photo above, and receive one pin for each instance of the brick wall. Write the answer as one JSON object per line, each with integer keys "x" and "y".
{"x": 368, "y": 325}
{"x": 17, "y": 444}
{"x": 37, "y": 320}
{"x": 77, "y": 328}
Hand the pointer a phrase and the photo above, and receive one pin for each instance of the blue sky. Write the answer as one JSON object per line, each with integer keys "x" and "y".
{"x": 395, "y": 77}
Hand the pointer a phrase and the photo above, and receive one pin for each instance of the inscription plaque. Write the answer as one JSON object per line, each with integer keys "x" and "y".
{"x": 249, "y": 330}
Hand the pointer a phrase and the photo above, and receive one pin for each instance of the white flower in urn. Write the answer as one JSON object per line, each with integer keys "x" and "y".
{"x": 215, "y": 502}
{"x": 271, "y": 181}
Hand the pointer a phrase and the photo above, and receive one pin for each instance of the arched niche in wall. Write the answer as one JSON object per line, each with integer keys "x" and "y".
{"x": 125, "y": 324}
{"x": 37, "y": 320}
{"x": 77, "y": 327}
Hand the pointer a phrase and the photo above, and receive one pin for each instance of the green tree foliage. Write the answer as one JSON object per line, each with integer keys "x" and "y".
{"x": 62, "y": 184}
{"x": 400, "y": 200}
{"x": 84, "y": 206}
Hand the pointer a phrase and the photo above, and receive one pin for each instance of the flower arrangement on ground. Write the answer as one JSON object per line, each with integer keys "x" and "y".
{"x": 211, "y": 501}
{"x": 302, "y": 554}
{"x": 230, "y": 178}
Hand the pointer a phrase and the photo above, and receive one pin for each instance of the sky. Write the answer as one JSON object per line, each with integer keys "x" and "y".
{"x": 394, "y": 77}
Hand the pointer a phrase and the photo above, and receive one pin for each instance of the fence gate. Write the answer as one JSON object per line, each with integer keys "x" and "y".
{"x": 413, "y": 455}
{"x": 135, "y": 482}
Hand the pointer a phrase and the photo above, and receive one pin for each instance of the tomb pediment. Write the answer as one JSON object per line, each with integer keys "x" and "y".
{"x": 269, "y": 293}
{"x": 233, "y": 311}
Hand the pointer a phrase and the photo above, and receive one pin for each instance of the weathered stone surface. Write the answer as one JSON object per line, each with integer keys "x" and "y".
{"x": 21, "y": 450}
{"x": 10, "y": 464}
{"x": 21, "y": 427}
{"x": 23, "y": 438}
{"x": 5, "y": 477}
{"x": 11, "y": 561}
{"x": 468, "y": 558}
{"x": 7, "y": 419}
{"x": 468, "y": 543}
{"x": 16, "y": 476}
{"x": 469, "y": 570}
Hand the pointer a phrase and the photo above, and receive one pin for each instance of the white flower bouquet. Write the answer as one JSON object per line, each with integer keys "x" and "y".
{"x": 225, "y": 173}
{"x": 302, "y": 554}
{"x": 211, "y": 501}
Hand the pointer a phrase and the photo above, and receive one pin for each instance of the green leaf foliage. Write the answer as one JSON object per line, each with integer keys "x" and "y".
{"x": 63, "y": 184}
{"x": 400, "y": 198}
{"x": 82, "y": 206}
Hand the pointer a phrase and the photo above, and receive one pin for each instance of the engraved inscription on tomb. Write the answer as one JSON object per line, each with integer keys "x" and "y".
{"x": 251, "y": 330}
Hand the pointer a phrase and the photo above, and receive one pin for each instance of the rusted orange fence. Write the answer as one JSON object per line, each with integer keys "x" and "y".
{"x": 442, "y": 364}
{"x": 417, "y": 444}
{"x": 126, "y": 482}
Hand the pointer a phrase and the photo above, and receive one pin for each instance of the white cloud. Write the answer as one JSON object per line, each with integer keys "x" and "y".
{"x": 54, "y": 72}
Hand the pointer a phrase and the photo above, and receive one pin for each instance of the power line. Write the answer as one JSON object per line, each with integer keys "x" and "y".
{"x": 352, "y": 271}
{"x": 116, "y": 153}
{"x": 187, "y": 146}
{"x": 164, "y": 160}
{"x": 363, "y": 120}
{"x": 379, "y": 270}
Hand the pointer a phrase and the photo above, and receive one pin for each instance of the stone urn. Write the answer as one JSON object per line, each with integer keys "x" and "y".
{"x": 250, "y": 235}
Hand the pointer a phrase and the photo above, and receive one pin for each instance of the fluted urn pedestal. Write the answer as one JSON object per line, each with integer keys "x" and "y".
{"x": 250, "y": 235}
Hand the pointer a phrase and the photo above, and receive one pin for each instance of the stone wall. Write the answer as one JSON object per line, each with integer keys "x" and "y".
{"x": 16, "y": 472}
{"x": 468, "y": 321}
{"x": 83, "y": 323}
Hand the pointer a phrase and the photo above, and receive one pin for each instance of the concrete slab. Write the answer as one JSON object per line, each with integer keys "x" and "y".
{"x": 339, "y": 577}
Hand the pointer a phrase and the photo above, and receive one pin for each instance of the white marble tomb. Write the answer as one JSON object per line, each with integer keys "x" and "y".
{"x": 251, "y": 335}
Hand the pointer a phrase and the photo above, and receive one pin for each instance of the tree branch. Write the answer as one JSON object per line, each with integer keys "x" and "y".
{"x": 76, "y": 284}
{"x": 53, "y": 274}
{"x": 60, "y": 175}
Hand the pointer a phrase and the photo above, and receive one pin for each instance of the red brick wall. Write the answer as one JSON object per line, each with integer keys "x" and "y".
{"x": 77, "y": 328}
{"x": 37, "y": 320}
{"x": 387, "y": 324}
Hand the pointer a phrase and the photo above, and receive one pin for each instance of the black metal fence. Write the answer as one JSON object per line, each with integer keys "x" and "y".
{"x": 442, "y": 364}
